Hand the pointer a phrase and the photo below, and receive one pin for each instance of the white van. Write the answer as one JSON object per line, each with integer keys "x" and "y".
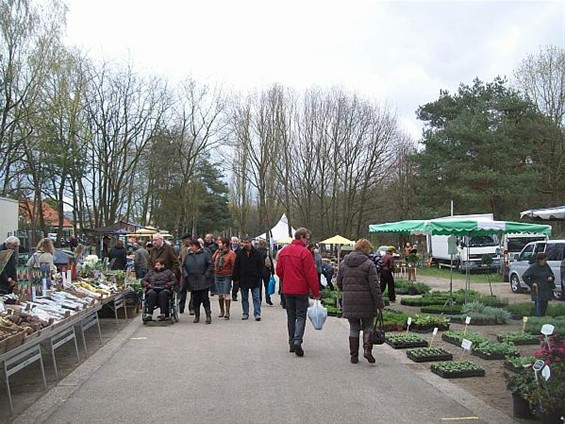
{"x": 555, "y": 251}
{"x": 512, "y": 244}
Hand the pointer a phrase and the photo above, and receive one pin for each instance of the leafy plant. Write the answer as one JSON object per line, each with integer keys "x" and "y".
{"x": 534, "y": 324}
{"x": 457, "y": 336}
{"x": 404, "y": 338}
{"x": 494, "y": 349}
{"x": 430, "y": 320}
{"x": 520, "y": 362}
{"x": 517, "y": 337}
{"x": 441, "y": 309}
{"x": 479, "y": 311}
{"x": 543, "y": 396}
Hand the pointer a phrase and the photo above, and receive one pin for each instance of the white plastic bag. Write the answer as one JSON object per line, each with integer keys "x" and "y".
{"x": 323, "y": 280}
{"x": 317, "y": 315}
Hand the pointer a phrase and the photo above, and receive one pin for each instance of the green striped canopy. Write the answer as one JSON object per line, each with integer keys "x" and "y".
{"x": 459, "y": 227}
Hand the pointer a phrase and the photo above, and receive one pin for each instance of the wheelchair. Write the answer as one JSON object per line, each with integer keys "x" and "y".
{"x": 173, "y": 309}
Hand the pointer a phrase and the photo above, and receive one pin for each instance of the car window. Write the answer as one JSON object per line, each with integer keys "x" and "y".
{"x": 540, "y": 247}
{"x": 554, "y": 251}
{"x": 516, "y": 244}
{"x": 527, "y": 252}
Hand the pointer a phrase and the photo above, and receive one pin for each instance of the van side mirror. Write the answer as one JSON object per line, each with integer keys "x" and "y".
{"x": 517, "y": 257}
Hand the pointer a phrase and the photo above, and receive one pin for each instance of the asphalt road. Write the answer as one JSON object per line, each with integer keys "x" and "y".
{"x": 241, "y": 372}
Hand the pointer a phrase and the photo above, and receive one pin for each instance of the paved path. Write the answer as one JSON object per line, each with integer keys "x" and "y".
{"x": 241, "y": 372}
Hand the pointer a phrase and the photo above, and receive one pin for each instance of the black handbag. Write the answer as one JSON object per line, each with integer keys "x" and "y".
{"x": 378, "y": 333}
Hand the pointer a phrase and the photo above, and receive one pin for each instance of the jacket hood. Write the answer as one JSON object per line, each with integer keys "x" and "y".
{"x": 355, "y": 259}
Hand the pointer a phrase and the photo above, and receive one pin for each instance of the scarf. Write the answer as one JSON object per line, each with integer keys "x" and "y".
{"x": 220, "y": 260}
{"x": 5, "y": 256}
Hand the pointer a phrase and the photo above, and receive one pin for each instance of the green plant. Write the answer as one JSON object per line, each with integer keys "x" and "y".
{"x": 517, "y": 337}
{"x": 441, "y": 309}
{"x": 458, "y": 336}
{"x": 494, "y": 349}
{"x": 404, "y": 338}
{"x": 519, "y": 362}
{"x": 544, "y": 397}
{"x": 479, "y": 311}
{"x": 412, "y": 258}
{"x": 534, "y": 324}
{"x": 430, "y": 320}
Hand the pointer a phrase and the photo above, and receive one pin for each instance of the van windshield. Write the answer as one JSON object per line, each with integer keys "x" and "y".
{"x": 480, "y": 241}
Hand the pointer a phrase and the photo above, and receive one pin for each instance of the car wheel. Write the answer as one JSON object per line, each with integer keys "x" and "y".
{"x": 515, "y": 284}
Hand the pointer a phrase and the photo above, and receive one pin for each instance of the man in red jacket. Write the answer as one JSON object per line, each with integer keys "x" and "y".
{"x": 297, "y": 272}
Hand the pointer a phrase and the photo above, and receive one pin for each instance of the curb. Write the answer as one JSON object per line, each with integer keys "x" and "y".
{"x": 45, "y": 406}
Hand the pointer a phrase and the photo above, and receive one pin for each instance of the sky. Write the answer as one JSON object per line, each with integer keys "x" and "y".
{"x": 399, "y": 54}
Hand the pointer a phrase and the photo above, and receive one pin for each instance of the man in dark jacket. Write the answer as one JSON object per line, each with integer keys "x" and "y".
{"x": 197, "y": 269}
{"x": 387, "y": 274}
{"x": 164, "y": 251}
{"x": 540, "y": 279}
{"x": 247, "y": 271}
{"x": 296, "y": 269}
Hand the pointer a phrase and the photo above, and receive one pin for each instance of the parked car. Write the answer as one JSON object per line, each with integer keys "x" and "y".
{"x": 555, "y": 251}
{"x": 512, "y": 245}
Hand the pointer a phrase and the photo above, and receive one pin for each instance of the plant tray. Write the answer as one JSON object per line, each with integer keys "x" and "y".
{"x": 446, "y": 311}
{"x": 430, "y": 358}
{"x": 511, "y": 367}
{"x": 477, "y": 321}
{"x": 459, "y": 374}
{"x": 472, "y": 370}
{"x": 406, "y": 345}
{"x": 428, "y": 328}
{"x": 489, "y": 357}
{"x": 522, "y": 342}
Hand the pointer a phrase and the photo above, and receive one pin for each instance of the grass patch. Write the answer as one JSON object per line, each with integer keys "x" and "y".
{"x": 475, "y": 277}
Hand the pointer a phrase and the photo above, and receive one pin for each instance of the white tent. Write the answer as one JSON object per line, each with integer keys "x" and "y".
{"x": 279, "y": 231}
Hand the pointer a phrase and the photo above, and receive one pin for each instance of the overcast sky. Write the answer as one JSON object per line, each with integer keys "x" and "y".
{"x": 399, "y": 53}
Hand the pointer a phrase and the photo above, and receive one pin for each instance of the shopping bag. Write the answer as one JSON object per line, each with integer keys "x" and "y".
{"x": 378, "y": 334}
{"x": 272, "y": 285}
{"x": 317, "y": 314}
{"x": 323, "y": 280}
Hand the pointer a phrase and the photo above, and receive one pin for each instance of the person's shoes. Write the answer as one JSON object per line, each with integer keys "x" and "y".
{"x": 234, "y": 298}
{"x": 257, "y": 318}
{"x": 164, "y": 318}
{"x": 212, "y": 294}
{"x": 392, "y": 300}
{"x": 181, "y": 311}
{"x": 208, "y": 318}
{"x": 191, "y": 312}
{"x": 298, "y": 351}
{"x": 245, "y": 317}
{"x": 148, "y": 317}
{"x": 196, "y": 319}
{"x": 269, "y": 302}
{"x": 227, "y": 316}
{"x": 221, "y": 315}
{"x": 292, "y": 349}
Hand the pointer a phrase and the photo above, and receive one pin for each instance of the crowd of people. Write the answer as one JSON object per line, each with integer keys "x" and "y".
{"x": 230, "y": 269}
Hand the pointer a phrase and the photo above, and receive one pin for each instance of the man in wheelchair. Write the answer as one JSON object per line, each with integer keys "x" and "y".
{"x": 159, "y": 286}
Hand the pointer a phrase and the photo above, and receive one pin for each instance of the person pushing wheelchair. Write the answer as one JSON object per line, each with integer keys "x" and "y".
{"x": 159, "y": 286}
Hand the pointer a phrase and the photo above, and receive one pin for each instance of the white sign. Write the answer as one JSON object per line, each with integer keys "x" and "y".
{"x": 547, "y": 329}
{"x": 435, "y": 331}
{"x": 468, "y": 320}
{"x": 409, "y": 321}
{"x": 525, "y": 319}
{"x": 466, "y": 344}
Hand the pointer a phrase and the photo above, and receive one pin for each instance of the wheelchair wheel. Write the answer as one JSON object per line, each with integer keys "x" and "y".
{"x": 175, "y": 308}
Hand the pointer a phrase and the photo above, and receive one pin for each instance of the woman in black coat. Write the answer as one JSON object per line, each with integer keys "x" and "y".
{"x": 362, "y": 298}
{"x": 197, "y": 268}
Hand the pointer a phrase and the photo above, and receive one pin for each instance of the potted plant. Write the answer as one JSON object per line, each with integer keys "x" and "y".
{"x": 518, "y": 338}
{"x": 427, "y": 323}
{"x": 544, "y": 397}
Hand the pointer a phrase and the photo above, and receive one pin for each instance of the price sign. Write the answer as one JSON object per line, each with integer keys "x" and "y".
{"x": 467, "y": 320}
{"x": 466, "y": 344}
{"x": 408, "y": 322}
{"x": 525, "y": 320}
{"x": 434, "y": 334}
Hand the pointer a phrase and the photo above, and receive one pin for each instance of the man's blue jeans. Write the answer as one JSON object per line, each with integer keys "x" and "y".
{"x": 296, "y": 308}
{"x": 255, "y": 293}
